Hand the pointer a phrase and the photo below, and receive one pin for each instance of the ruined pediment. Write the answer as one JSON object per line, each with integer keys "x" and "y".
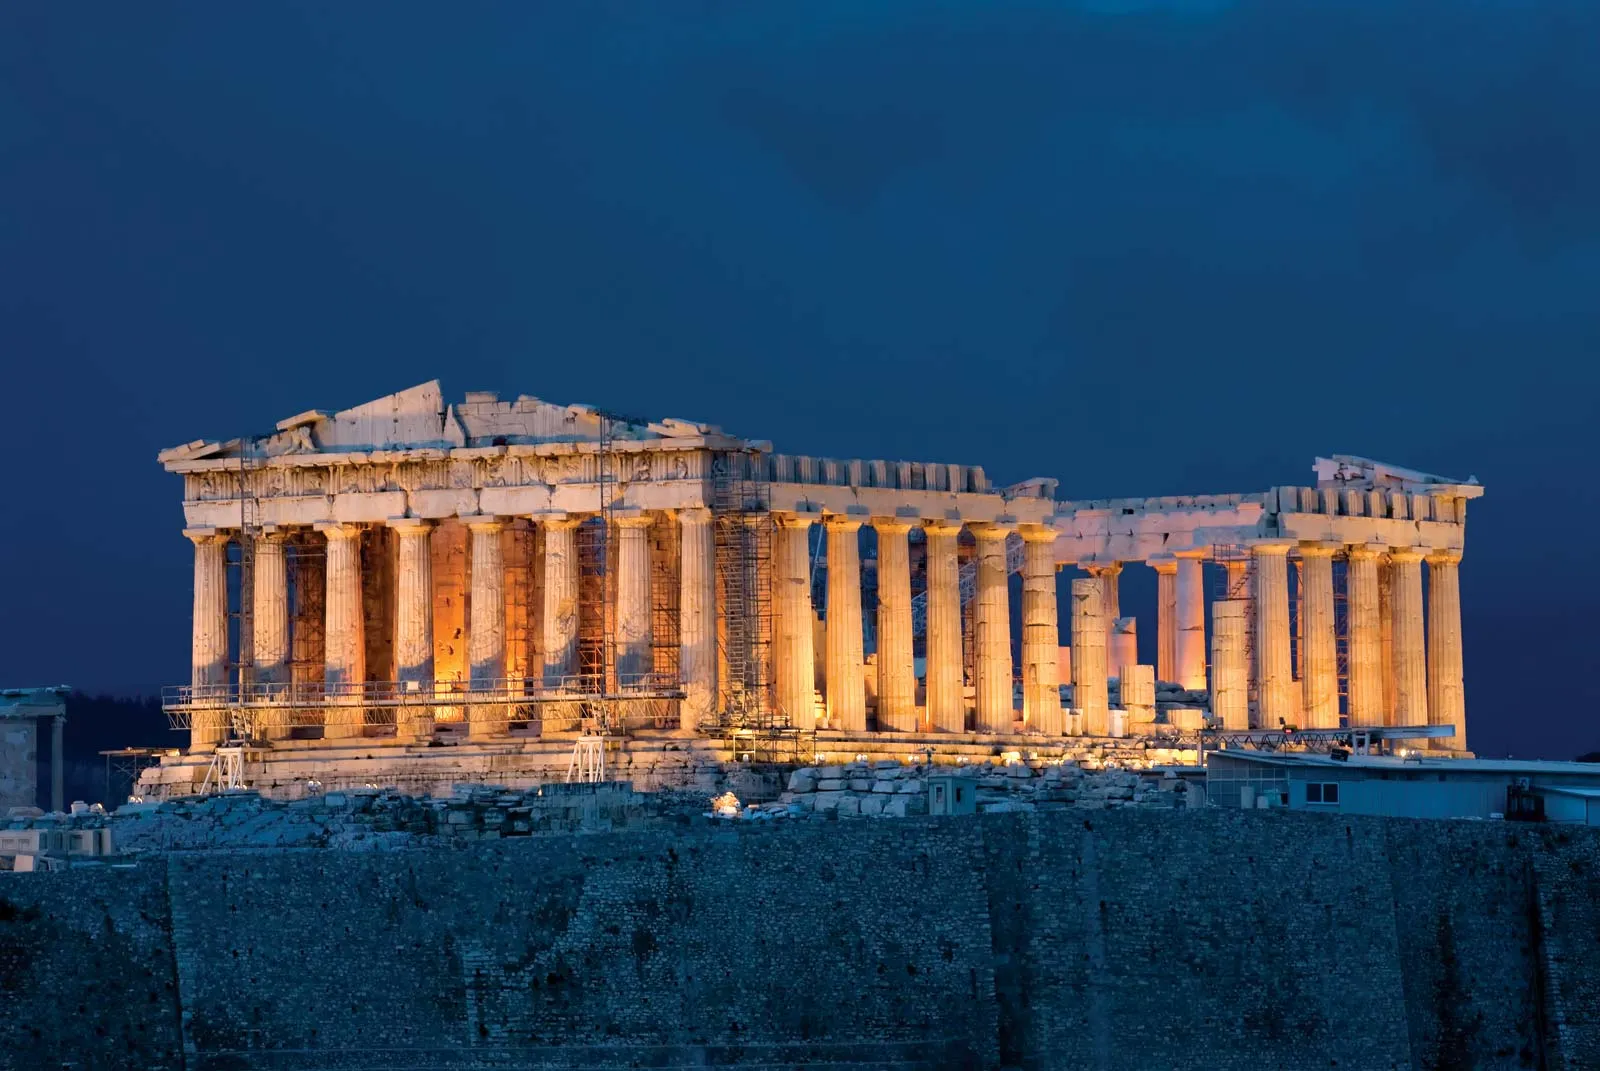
{"x": 420, "y": 419}
{"x": 1349, "y": 472}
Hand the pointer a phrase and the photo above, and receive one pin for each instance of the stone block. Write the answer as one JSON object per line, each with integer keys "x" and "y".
{"x": 872, "y": 805}
{"x": 828, "y": 800}
{"x": 909, "y": 786}
{"x": 830, "y": 772}
{"x": 830, "y": 784}
{"x": 803, "y": 780}
{"x": 861, "y": 784}
{"x": 849, "y": 804}
{"x": 886, "y": 788}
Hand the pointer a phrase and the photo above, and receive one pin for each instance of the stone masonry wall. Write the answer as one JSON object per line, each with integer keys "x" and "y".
{"x": 1054, "y": 939}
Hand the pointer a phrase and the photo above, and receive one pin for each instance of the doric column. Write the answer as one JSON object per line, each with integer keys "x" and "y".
{"x": 1189, "y": 656}
{"x": 413, "y": 618}
{"x": 1447, "y": 703}
{"x": 208, "y": 658}
{"x": 847, "y": 695}
{"x": 486, "y": 629}
{"x": 946, "y": 705}
{"x": 791, "y": 596}
{"x": 897, "y": 673}
{"x": 1386, "y": 636}
{"x": 1274, "y": 666}
{"x": 697, "y": 617}
{"x": 1107, "y": 573}
{"x": 1363, "y": 637}
{"x": 1166, "y": 570}
{"x": 1410, "y": 655}
{"x": 1230, "y": 670}
{"x": 634, "y": 657}
{"x": 1319, "y": 675}
{"x": 1041, "y": 633}
{"x": 1122, "y": 645}
{"x": 560, "y": 599}
{"x": 309, "y": 578}
{"x": 991, "y": 623}
{"x": 345, "y": 649}
{"x": 269, "y": 615}
{"x": 1089, "y": 656}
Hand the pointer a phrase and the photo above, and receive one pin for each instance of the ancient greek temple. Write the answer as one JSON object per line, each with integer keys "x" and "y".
{"x": 411, "y": 572}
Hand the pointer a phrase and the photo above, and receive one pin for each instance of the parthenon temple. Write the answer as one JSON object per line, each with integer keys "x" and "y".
{"x": 411, "y": 573}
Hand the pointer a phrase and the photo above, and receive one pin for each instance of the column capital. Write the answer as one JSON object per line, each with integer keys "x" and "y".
{"x": 689, "y": 515}
{"x": 410, "y": 525}
{"x": 1037, "y": 533}
{"x": 1365, "y": 551}
{"x": 1198, "y": 554}
{"x": 632, "y": 519}
{"x": 1312, "y": 548}
{"x": 1096, "y": 569}
{"x": 1272, "y": 546}
{"x": 1445, "y": 556}
{"x": 1406, "y": 554}
{"x": 989, "y": 531}
{"x": 837, "y": 522}
{"x": 206, "y": 535}
{"x": 483, "y": 522}
{"x": 936, "y": 526}
{"x": 338, "y": 529}
{"x": 795, "y": 518}
{"x": 1163, "y": 564}
{"x": 558, "y": 521}
{"x": 891, "y": 525}
{"x": 274, "y": 533}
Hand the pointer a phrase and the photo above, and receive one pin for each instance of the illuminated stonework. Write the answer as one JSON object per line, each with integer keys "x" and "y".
{"x": 489, "y": 570}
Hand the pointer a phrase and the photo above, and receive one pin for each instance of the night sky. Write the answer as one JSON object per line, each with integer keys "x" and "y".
{"x": 1146, "y": 248}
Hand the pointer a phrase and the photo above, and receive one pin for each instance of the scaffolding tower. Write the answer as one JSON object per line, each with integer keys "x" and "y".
{"x": 742, "y": 535}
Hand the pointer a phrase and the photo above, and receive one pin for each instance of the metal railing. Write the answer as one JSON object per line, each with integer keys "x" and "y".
{"x": 184, "y": 698}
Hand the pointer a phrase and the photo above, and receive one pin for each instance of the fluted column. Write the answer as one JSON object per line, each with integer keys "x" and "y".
{"x": 897, "y": 673}
{"x": 1410, "y": 654}
{"x": 1108, "y": 574}
{"x": 345, "y": 649}
{"x": 847, "y": 695}
{"x": 1230, "y": 669}
{"x": 208, "y": 651}
{"x": 1274, "y": 665}
{"x": 560, "y": 599}
{"x": 1089, "y": 656}
{"x": 269, "y": 615}
{"x": 486, "y": 629}
{"x": 1166, "y": 570}
{"x": 991, "y": 623}
{"x": 413, "y": 621}
{"x": 1041, "y": 633}
{"x": 946, "y": 704}
{"x": 1363, "y": 638}
{"x": 1446, "y": 690}
{"x": 1319, "y": 675}
{"x": 1189, "y": 654}
{"x": 697, "y": 617}
{"x": 634, "y": 632}
{"x": 791, "y": 592}
{"x": 1386, "y": 636}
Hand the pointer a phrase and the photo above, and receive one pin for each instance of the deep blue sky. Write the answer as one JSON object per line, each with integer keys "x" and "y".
{"x": 1146, "y": 248}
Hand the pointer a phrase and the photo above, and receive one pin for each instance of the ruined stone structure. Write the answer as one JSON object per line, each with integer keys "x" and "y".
{"x": 411, "y": 570}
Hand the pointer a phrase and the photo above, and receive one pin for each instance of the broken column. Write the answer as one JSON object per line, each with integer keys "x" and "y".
{"x": 1446, "y": 689}
{"x": 1274, "y": 667}
{"x": 1190, "y": 645}
{"x": 697, "y": 617}
{"x": 635, "y": 659}
{"x": 946, "y": 704}
{"x": 1107, "y": 573}
{"x": 1363, "y": 638}
{"x": 344, "y": 660}
{"x": 1230, "y": 674}
{"x": 1410, "y": 655}
{"x": 897, "y": 675}
{"x": 1319, "y": 644}
{"x": 560, "y": 600}
{"x": 1166, "y": 570}
{"x": 1124, "y": 648}
{"x": 1138, "y": 692}
{"x": 991, "y": 620}
{"x": 1041, "y": 633}
{"x": 846, "y": 688}
{"x": 1089, "y": 656}
{"x": 208, "y": 653}
{"x": 413, "y": 634}
{"x": 793, "y": 624}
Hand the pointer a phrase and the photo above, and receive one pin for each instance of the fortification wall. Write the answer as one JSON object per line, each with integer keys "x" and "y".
{"x": 1054, "y": 939}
